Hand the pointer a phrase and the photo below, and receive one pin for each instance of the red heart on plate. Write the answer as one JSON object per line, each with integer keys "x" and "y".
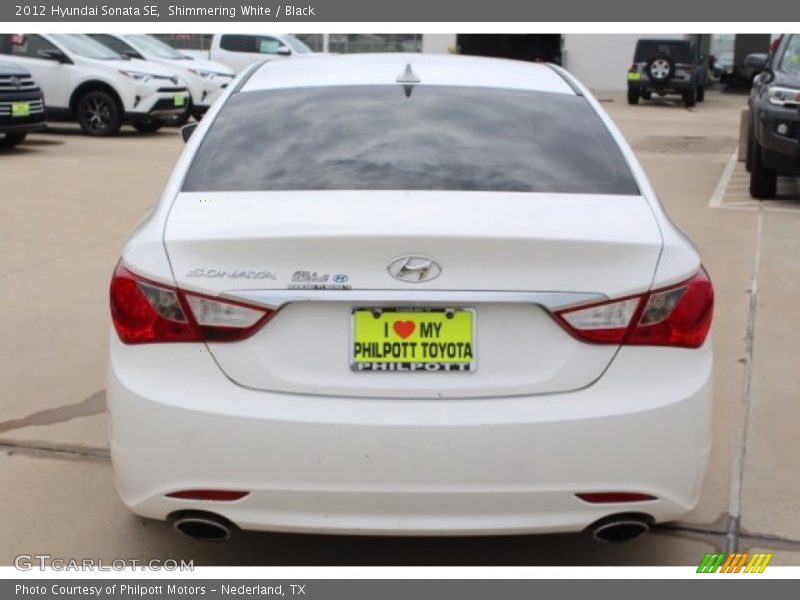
{"x": 404, "y": 328}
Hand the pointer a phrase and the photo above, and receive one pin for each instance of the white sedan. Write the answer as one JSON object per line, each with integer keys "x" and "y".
{"x": 409, "y": 294}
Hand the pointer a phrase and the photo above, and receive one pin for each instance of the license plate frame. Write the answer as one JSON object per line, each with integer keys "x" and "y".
{"x": 416, "y": 358}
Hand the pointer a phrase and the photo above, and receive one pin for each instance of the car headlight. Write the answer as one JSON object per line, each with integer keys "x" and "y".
{"x": 137, "y": 76}
{"x": 203, "y": 74}
{"x": 783, "y": 96}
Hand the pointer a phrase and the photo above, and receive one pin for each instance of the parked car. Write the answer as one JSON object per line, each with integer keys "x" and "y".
{"x": 420, "y": 294}
{"x": 204, "y": 79}
{"x": 21, "y": 105}
{"x": 84, "y": 81}
{"x": 667, "y": 67}
{"x": 773, "y": 141}
{"x": 239, "y": 50}
{"x": 724, "y": 67}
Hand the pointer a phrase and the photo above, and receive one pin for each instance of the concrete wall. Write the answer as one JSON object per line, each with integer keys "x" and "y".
{"x": 601, "y": 60}
{"x": 438, "y": 43}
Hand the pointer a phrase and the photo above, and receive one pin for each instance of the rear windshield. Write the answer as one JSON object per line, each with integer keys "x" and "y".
{"x": 678, "y": 51}
{"x": 425, "y": 138}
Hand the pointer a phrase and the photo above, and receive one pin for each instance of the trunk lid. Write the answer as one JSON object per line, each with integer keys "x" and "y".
{"x": 235, "y": 244}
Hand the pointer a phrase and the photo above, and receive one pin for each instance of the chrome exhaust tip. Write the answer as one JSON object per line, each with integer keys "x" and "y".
{"x": 203, "y": 526}
{"x": 620, "y": 528}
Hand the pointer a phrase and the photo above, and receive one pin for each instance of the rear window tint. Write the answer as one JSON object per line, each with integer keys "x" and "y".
{"x": 436, "y": 138}
{"x": 647, "y": 50}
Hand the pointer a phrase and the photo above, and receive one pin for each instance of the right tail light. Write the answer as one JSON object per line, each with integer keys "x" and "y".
{"x": 678, "y": 315}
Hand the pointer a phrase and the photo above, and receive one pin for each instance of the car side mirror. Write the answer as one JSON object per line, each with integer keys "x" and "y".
{"x": 53, "y": 54}
{"x": 284, "y": 51}
{"x": 187, "y": 131}
{"x": 757, "y": 62}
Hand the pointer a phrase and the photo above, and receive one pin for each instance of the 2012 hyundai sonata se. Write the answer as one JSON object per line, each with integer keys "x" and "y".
{"x": 409, "y": 294}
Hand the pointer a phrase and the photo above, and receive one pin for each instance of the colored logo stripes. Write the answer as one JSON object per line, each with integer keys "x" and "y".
{"x": 734, "y": 563}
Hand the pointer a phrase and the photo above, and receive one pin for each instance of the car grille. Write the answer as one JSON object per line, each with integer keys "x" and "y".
{"x": 13, "y": 83}
{"x": 37, "y": 107}
{"x": 171, "y": 89}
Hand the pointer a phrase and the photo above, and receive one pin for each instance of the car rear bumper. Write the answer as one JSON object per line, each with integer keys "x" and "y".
{"x": 670, "y": 87}
{"x": 408, "y": 466}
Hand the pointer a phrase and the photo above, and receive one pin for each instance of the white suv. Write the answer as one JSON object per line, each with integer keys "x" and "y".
{"x": 204, "y": 79}
{"x": 84, "y": 81}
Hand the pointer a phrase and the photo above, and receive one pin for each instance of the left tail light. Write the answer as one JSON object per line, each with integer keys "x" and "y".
{"x": 678, "y": 315}
{"x": 147, "y": 312}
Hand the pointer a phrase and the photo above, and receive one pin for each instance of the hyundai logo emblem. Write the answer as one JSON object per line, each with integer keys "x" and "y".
{"x": 414, "y": 268}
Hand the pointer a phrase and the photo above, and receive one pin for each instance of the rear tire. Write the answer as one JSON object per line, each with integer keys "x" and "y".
{"x": 633, "y": 96}
{"x": 689, "y": 97}
{"x": 149, "y": 126}
{"x": 99, "y": 114}
{"x": 701, "y": 93}
{"x": 9, "y": 140}
{"x": 763, "y": 181}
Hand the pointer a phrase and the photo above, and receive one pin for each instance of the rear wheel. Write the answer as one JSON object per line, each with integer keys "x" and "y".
{"x": 763, "y": 181}
{"x": 99, "y": 114}
{"x": 701, "y": 93}
{"x": 149, "y": 126}
{"x": 633, "y": 96}
{"x": 9, "y": 140}
{"x": 689, "y": 97}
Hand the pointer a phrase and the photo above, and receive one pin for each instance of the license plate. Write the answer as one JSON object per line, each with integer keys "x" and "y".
{"x": 20, "y": 109}
{"x": 634, "y": 76}
{"x": 413, "y": 339}
{"x": 179, "y": 99}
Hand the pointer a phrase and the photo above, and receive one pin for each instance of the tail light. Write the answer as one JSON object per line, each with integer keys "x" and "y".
{"x": 679, "y": 315}
{"x": 145, "y": 312}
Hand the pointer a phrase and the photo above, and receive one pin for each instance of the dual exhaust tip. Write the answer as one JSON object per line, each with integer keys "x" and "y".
{"x": 622, "y": 527}
{"x": 210, "y": 527}
{"x": 204, "y": 526}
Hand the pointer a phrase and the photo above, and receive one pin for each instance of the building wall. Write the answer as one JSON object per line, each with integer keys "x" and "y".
{"x": 600, "y": 61}
{"x": 438, "y": 43}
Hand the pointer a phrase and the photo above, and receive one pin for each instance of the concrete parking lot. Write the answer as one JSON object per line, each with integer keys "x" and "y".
{"x": 67, "y": 203}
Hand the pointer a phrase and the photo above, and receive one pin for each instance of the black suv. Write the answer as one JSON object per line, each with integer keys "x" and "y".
{"x": 773, "y": 141}
{"x": 667, "y": 67}
{"x": 21, "y": 105}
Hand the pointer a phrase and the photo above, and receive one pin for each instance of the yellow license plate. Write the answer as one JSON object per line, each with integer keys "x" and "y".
{"x": 20, "y": 109}
{"x": 634, "y": 76}
{"x": 180, "y": 99}
{"x": 413, "y": 339}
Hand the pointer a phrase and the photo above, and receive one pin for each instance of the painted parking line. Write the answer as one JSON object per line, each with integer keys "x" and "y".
{"x": 732, "y": 191}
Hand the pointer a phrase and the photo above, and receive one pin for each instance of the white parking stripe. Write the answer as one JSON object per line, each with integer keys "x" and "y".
{"x": 722, "y": 184}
